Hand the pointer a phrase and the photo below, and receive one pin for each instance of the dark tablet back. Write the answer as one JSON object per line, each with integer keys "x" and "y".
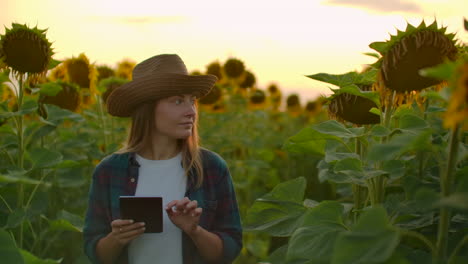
{"x": 143, "y": 209}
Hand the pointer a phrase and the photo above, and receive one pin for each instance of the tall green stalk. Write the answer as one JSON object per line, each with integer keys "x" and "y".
{"x": 446, "y": 183}
{"x": 20, "y": 162}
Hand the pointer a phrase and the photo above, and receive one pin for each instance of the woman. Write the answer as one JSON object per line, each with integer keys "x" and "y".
{"x": 162, "y": 158}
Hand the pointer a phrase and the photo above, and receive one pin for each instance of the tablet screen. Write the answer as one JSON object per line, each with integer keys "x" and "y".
{"x": 143, "y": 209}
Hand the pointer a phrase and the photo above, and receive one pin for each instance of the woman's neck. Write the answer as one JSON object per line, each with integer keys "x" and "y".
{"x": 160, "y": 149}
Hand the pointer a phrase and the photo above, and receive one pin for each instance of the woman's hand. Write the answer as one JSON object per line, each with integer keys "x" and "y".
{"x": 124, "y": 231}
{"x": 185, "y": 214}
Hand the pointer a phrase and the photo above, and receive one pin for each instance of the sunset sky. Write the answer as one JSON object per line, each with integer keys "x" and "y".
{"x": 279, "y": 41}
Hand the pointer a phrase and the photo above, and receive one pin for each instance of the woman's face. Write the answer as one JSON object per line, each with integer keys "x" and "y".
{"x": 174, "y": 116}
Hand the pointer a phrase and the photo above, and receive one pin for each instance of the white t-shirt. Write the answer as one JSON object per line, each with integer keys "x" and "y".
{"x": 163, "y": 178}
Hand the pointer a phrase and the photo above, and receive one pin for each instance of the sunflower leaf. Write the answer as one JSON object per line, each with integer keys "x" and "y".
{"x": 50, "y": 89}
{"x": 442, "y": 71}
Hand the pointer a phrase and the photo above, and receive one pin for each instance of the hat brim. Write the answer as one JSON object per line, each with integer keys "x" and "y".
{"x": 124, "y": 100}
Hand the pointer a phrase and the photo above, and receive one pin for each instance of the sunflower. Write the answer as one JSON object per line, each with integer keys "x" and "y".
{"x": 108, "y": 85}
{"x": 354, "y": 99}
{"x": 352, "y": 108}
{"x": 312, "y": 108}
{"x": 293, "y": 105}
{"x": 409, "y": 51}
{"x": 257, "y": 100}
{"x": 67, "y": 98}
{"x": 274, "y": 98}
{"x": 212, "y": 97}
{"x": 80, "y": 71}
{"x": 26, "y": 50}
{"x": 125, "y": 69}
{"x": 104, "y": 72}
{"x": 234, "y": 68}
{"x": 215, "y": 69}
{"x": 248, "y": 80}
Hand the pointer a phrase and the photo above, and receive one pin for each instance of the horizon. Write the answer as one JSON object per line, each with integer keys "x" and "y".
{"x": 279, "y": 42}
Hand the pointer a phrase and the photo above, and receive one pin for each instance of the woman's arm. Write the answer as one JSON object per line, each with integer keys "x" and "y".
{"x": 110, "y": 247}
{"x": 210, "y": 246}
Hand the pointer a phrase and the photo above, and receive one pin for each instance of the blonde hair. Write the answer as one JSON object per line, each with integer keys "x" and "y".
{"x": 140, "y": 135}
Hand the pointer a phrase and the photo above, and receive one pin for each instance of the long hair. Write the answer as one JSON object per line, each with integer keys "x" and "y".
{"x": 140, "y": 135}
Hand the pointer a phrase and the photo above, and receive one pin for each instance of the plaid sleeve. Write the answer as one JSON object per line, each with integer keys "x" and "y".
{"x": 98, "y": 215}
{"x": 227, "y": 223}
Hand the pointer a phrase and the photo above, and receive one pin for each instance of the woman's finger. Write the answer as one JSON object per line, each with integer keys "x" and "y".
{"x": 121, "y": 222}
{"x": 180, "y": 206}
{"x": 132, "y": 233}
{"x": 190, "y": 206}
{"x": 197, "y": 212}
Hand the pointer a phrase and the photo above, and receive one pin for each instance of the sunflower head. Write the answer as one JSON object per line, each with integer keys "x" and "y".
{"x": 26, "y": 50}
{"x": 234, "y": 68}
{"x": 125, "y": 69}
{"x": 293, "y": 104}
{"x": 248, "y": 80}
{"x": 67, "y": 97}
{"x": 352, "y": 108}
{"x": 257, "y": 100}
{"x": 215, "y": 69}
{"x": 212, "y": 97}
{"x": 104, "y": 72}
{"x": 411, "y": 50}
{"x": 353, "y": 100}
{"x": 108, "y": 85}
{"x": 81, "y": 72}
{"x": 58, "y": 73}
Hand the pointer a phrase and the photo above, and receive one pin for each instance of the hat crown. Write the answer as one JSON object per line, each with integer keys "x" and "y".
{"x": 160, "y": 64}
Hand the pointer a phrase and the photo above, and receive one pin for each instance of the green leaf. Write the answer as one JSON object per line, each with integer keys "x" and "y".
{"x": 18, "y": 176}
{"x": 465, "y": 23}
{"x": 412, "y": 123}
{"x": 53, "y": 63}
{"x": 379, "y": 131}
{"x": 67, "y": 222}
{"x": 315, "y": 240}
{"x": 395, "y": 169}
{"x": 332, "y": 127}
{"x": 380, "y": 47}
{"x": 292, "y": 191}
{"x": 279, "y": 212}
{"x": 16, "y": 218}
{"x": 456, "y": 200}
{"x": 443, "y": 71}
{"x": 398, "y": 145}
{"x": 50, "y": 89}
{"x": 28, "y": 107}
{"x": 44, "y": 158}
{"x": 375, "y": 111}
{"x": 8, "y": 250}
{"x": 31, "y": 259}
{"x": 309, "y": 141}
{"x": 353, "y": 89}
{"x": 278, "y": 256}
{"x": 372, "y": 54}
{"x": 372, "y": 240}
{"x": 335, "y": 156}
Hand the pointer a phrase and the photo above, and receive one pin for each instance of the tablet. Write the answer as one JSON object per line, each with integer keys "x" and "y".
{"x": 146, "y": 209}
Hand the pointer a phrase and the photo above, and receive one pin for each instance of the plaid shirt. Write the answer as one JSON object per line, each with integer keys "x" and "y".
{"x": 117, "y": 175}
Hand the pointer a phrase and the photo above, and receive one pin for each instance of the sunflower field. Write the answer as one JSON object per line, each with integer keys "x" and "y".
{"x": 377, "y": 172}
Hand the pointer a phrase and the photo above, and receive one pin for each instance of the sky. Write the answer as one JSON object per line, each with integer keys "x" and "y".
{"x": 279, "y": 41}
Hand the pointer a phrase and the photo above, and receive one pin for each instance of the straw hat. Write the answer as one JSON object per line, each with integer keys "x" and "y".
{"x": 157, "y": 77}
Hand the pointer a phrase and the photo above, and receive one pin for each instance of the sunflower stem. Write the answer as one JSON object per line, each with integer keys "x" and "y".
{"x": 457, "y": 248}
{"x": 19, "y": 124}
{"x": 446, "y": 182}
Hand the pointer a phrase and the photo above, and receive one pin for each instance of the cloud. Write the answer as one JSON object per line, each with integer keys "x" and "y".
{"x": 139, "y": 20}
{"x": 381, "y": 6}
